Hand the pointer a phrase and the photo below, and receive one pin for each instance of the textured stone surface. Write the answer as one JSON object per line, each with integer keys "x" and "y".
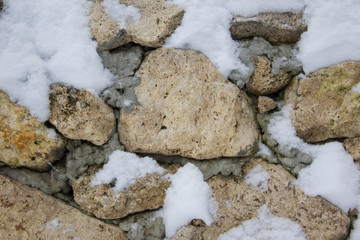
{"x": 78, "y": 114}
{"x": 187, "y": 108}
{"x": 324, "y": 106}
{"x": 239, "y": 201}
{"x": 31, "y": 214}
{"x": 104, "y": 29}
{"x": 188, "y": 233}
{"x": 82, "y": 155}
{"x": 275, "y": 27}
{"x": 158, "y": 20}
{"x": 24, "y": 141}
{"x": 265, "y": 104}
{"x": 352, "y": 145}
{"x": 145, "y": 194}
{"x": 263, "y": 81}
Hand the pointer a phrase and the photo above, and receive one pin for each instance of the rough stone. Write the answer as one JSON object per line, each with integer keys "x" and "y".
{"x": 24, "y": 141}
{"x": 31, "y": 214}
{"x": 324, "y": 105}
{"x": 187, "y": 108}
{"x": 239, "y": 201}
{"x": 188, "y": 233}
{"x": 274, "y": 27}
{"x": 158, "y": 20}
{"x": 78, "y": 114}
{"x": 263, "y": 81}
{"x": 82, "y": 155}
{"x": 145, "y": 194}
{"x": 265, "y": 104}
{"x": 352, "y": 145}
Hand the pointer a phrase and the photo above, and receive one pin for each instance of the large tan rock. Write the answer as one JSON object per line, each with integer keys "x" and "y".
{"x": 145, "y": 194}
{"x": 187, "y": 108}
{"x": 352, "y": 145}
{"x": 78, "y": 114}
{"x": 158, "y": 20}
{"x": 27, "y": 213}
{"x": 274, "y": 27}
{"x": 24, "y": 141}
{"x": 324, "y": 105}
{"x": 239, "y": 201}
{"x": 263, "y": 81}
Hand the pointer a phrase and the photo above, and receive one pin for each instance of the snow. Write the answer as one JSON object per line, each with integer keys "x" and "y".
{"x": 258, "y": 177}
{"x": 333, "y": 173}
{"x": 53, "y": 224}
{"x": 265, "y": 226}
{"x": 125, "y": 168}
{"x": 44, "y": 42}
{"x": 120, "y": 12}
{"x": 187, "y": 198}
{"x": 205, "y": 28}
{"x": 333, "y": 33}
{"x": 264, "y": 150}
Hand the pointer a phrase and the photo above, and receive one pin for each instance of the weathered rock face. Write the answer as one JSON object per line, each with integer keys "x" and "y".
{"x": 324, "y": 106}
{"x": 31, "y": 214}
{"x": 24, "y": 141}
{"x": 158, "y": 20}
{"x": 274, "y": 27}
{"x": 265, "y": 104}
{"x": 187, "y": 109}
{"x": 145, "y": 194}
{"x": 78, "y": 114}
{"x": 352, "y": 145}
{"x": 263, "y": 81}
{"x": 239, "y": 201}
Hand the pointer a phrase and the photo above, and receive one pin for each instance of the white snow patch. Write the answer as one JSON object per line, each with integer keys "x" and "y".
{"x": 333, "y": 173}
{"x": 333, "y": 33}
{"x": 44, "y": 42}
{"x": 265, "y": 226}
{"x": 52, "y": 134}
{"x": 355, "y": 233}
{"x": 125, "y": 168}
{"x": 53, "y": 224}
{"x": 258, "y": 177}
{"x": 187, "y": 198}
{"x": 228, "y": 203}
{"x": 264, "y": 150}
{"x": 205, "y": 27}
{"x": 120, "y": 12}
{"x": 356, "y": 88}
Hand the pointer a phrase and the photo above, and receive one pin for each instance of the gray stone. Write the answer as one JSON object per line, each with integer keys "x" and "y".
{"x": 276, "y": 28}
{"x": 82, "y": 155}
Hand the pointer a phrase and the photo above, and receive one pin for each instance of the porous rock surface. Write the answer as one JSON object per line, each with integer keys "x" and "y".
{"x": 146, "y": 193}
{"x": 263, "y": 81}
{"x": 31, "y": 214}
{"x": 265, "y": 104}
{"x": 276, "y": 28}
{"x": 239, "y": 202}
{"x": 78, "y": 114}
{"x": 324, "y": 105}
{"x": 352, "y": 145}
{"x": 187, "y": 108}
{"x": 158, "y": 20}
{"x": 24, "y": 140}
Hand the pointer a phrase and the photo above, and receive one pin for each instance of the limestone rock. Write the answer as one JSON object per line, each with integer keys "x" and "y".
{"x": 239, "y": 201}
{"x": 275, "y": 27}
{"x": 187, "y": 108}
{"x": 145, "y": 194}
{"x": 263, "y": 81}
{"x": 78, "y": 114}
{"x": 24, "y": 141}
{"x": 188, "y": 233}
{"x": 352, "y": 145}
{"x": 31, "y": 214}
{"x": 265, "y": 104}
{"x": 158, "y": 20}
{"x": 324, "y": 105}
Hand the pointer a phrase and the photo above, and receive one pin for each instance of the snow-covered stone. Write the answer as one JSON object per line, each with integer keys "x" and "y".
{"x": 78, "y": 114}
{"x": 31, "y": 214}
{"x": 187, "y": 108}
{"x": 24, "y": 140}
{"x": 324, "y": 104}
